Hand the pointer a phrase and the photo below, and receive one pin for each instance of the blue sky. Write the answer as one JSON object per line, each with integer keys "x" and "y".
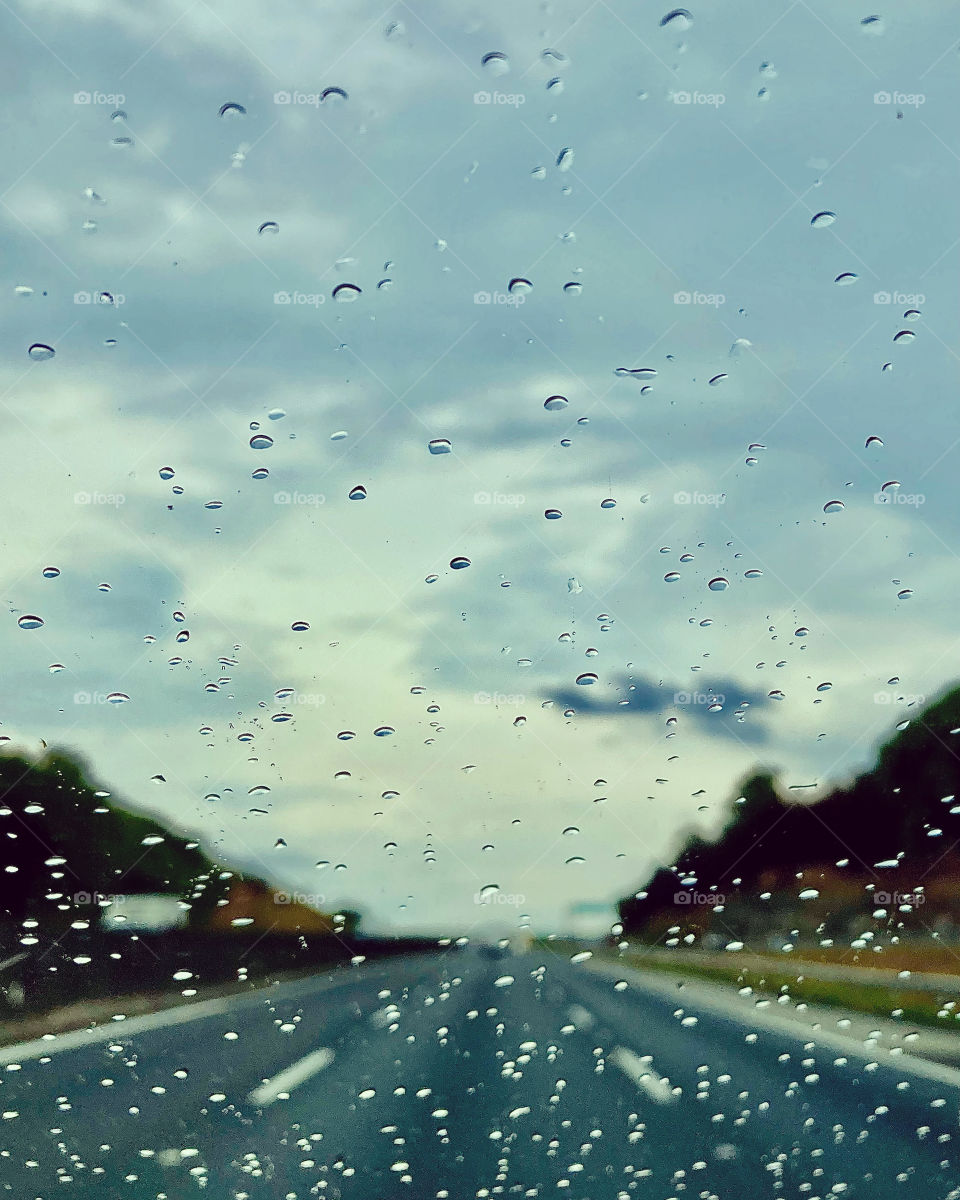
{"x": 701, "y": 155}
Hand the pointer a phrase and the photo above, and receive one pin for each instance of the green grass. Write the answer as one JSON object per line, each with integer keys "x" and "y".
{"x": 919, "y": 1008}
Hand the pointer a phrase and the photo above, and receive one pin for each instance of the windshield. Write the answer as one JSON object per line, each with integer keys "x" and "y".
{"x": 480, "y": 715}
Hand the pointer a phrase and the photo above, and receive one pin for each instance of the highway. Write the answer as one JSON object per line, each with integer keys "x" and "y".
{"x": 460, "y": 1076}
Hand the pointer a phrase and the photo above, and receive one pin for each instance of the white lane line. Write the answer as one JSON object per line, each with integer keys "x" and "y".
{"x": 384, "y": 1017}
{"x": 182, "y": 1014}
{"x": 297, "y": 1073}
{"x": 578, "y": 1016}
{"x": 640, "y": 1072}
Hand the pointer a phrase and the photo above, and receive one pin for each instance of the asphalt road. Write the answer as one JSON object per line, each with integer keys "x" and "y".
{"x": 462, "y": 1077}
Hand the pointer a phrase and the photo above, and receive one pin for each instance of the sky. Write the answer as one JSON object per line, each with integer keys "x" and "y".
{"x": 720, "y": 221}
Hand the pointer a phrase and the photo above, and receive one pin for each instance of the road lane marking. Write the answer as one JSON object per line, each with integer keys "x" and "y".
{"x": 384, "y": 1017}
{"x": 181, "y": 1014}
{"x": 640, "y": 1072}
{"x": 297, "y": 1073}
{"x": 712, "y": 1001}
{"x": 580, "y": 1017}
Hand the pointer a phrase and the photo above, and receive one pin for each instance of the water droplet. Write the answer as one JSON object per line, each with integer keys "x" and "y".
{"x": 431, "y": 578}
{"x": 552, "y": 514}
{"x": 213, "y": 505}
{"x": 872, "y": 441}
{"x": 905, "y": 594}
{"x": 555, "y": 56}
{"x": 833, "y": 506}
{"x": 383, "y": 731}
{"x": 874, "y": 25}
{"x": 555, "y": 85}
{"x": 395, "y": 30}
{"x": 890, "y": 486}
{"x": 717, "y": 379}
{"x": 719, "y": 584}
{"x": 300, "y": 626}
{"x": 905, "y": 335}
{"x": 232, "y": 110}
{"x": 458, "y": 564}
{"x": 565, "y": 159}
{"x": 260, "y": 473}
{"x": 495, "y": 63}
{"x": 384, "y": 285}
{"x": 539, "y": 172}
{"x": 118, "y": 698}
{"x": 822, "y": 219}
{"x": 608, "y": 503}
{"x": 555, "y": 403}
{"x": 575, "y": 860}
{"x": 261, "y": 441}
{"x": 346, "y": 293}
{"x": 166, "y": 472}
{"x": 40, "y": 352}
{"x": 573, "y": 288}
{"x": 802, "y": 632}
{"x": 50, "y": 572}
{"x": 439, "y": 446}
{"x": 357, "y": 493}
{"x": 574, "y": 586}
{"x": 768, "y": 70}
{"x": 846, "y": 278}
{"x": 339, "y": 435}
{"x": 269, "y": 227}
{"x": 519, "y": 286}
{"x": 888, "y": 366}
{"x": 642, "y": 373}
{"x": 587, "y": 679}
{"x": 912, "y": 314}
{"x": 281, "y": 718}
{"x": 30, "y": 622}
{"x": 753, "y": 574}
{"x": 333, "y": 96}
{"x": 672, "y": 577}
{"x": 678, "y": 19}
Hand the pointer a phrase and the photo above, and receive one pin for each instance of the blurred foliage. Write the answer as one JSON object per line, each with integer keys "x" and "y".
{"x": 887, "y": 813}
{"x": 49, "y": 810}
